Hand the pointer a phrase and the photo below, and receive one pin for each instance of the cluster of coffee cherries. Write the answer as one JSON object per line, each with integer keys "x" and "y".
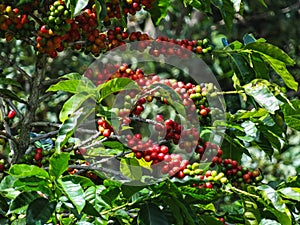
{"x": 58, "y": 18}
{"x": 38, "y": 156}
{"x": 104, "y": 127}
{"x": 13, "y": 23}
{"x": 128, "y": 6}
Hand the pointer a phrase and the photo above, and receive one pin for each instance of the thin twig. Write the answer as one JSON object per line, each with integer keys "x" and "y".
{"x": 43, "y": 136}
{"x": 45, "y": 124}
{"x": 15, "y": 66}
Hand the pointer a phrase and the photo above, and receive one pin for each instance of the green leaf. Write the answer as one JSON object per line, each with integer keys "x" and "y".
{"x": 39, "y": 211}
{"x": 271, "y": 51}
{"x": 211, "y": 220}
{"x": 3, "y": 205}
{"x": 200, "y": 195}
{"x": 268, "y": 222}
{"x": 130, "y": 168}
{"x": 33, "y": 184}
{"x": 263, "y": 96}
{"x": 114, "y": 145}
{"x": 67, "y": 130}
{"x": 74, "y": 193}
{"x": 150, "y": 214}
{"x": 84, "y": 182}
{"x": 8, "y": 81}
{"x": 72, "y": 104}
{"x": 251, "y": 211}
{"x": 128, "y": 191}
{"x": 93, "y": 196}
{"x": 272, "y": 197}
{"x": 241, "y": 67}
{"x": 76, "y": 6}
{"x": 250, "y": 129}
{"x": 292, "y": 114}
{"x": 70, "y": 86}
{"x": 72, "y": 76}
{"x": 259, "y": 66}
{"x": 291, "y": 193}
{"x": 20, "y": 204}
{"x": 280, "y": 68}
{"x": 6, "y": 93}
{"x": 89, "y": 209}
{"x": 116, "y": 85}
{"x": 21, "y": 221}
{"x": 159, "y": 10}
{"x": 24, "y": 170}
{"x": 100, "y": 10}
{"x": 58, "y": 164}
{"x": 227, "y": 10}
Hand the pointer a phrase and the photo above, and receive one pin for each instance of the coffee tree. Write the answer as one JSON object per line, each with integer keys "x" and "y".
{"x": 101, "y": 124}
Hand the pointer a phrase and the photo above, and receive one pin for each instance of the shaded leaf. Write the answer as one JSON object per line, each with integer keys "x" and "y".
{"x": 241, "y": 67}
{"x": 227, "y": 10}
{"x": 39, "y": 211}
{"x": 6, "y": 93}
{"x": 8, "y": 81}
{"x": 159, "y": 10}
{"x": 21, "y": 202}
{"x": 150, "y": 214}
{"x": 76, "y": 6}
{"x": 211, "y": 220}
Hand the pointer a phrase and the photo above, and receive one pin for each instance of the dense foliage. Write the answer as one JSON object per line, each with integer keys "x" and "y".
{"x": 106, "y": 120}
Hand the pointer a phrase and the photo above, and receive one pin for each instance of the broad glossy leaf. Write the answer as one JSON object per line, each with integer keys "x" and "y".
{"x": 33, "y": 184}
{"x": 76, "y": 6}
{"x": 84, "y": 182}
{"x": 268, "y": 222}
{"x": 116, "y": 85}
{"x": 259, "y": 66}
{"x": 70, "y": 86}
{"x": 263, "y": 96}
{"x": 72, "y": 76}
{"x": 130, "y": 168}
{"x": 100, "y": 10}
{"x": 39, "y": 211}
{"x": 271, "y": 51}
{"x": 272, "y": 137}
{"x": 150, "y": 214}
{"x": 292, "y": 114}
{"x": 93, "y": 196}
{"x": 159, "y": 10}
{"x": 21, "y": 202}
{"x": 3, "y": 205}
{"x": 272, "y": 197}
{"x": 58, "y": 164}
{"x": 250, "y": 129}
{"x": 280, "y": 68}
{"x": 24, "y": 170}
{"x": 201, "y": 195}
{"x": 21, "y": 221}
{"x": 74, "y": 193}
{"x": 128, "y": 191}
{"x": 291, "y": 193}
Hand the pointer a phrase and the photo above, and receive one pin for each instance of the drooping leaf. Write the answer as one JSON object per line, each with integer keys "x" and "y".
{"x": 241, "y": 67}
{"x": 8, "y": 81}
{"x": 116, "y": 85}
{"x": 268, "y": 222}
{"x": 100, "y": 10}
{"x": 291, "y": 193}
{"x": 58, "y": 164}
{"x": 259, "y": 66}
{"x": 280, "y": 68}
{"x": 72, "y": 76}
{"x": 292, "y": 114}
{"x": 21, "y": 202}
{"x": 150, "y": 214}
{"x": 24, "y": 170}
{"x": 74, "y": 193}
{"x": 39, "y": 211}
{"x": 227, "y": 10}
{"x": 128, "y": 191}
{"x": 6, "y": 93}
{"x": 67, "y": 130}
{"x": 159, "y": 11}
{"x": 271, "y": 51}
{"x": 130, "y": 168}
{"x": 251, "y": 211}
{"x": 263, "y": 96}
{"x": 93, "y": 196}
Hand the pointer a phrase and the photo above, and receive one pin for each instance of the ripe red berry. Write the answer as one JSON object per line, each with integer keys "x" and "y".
{"x": 209, "y": 185}
{"x": 2, "y": 167}
{"x": 164, "y": 149}
{"x": 161, "y": 156}
{"x": 246, "y": 177}
{"x": 106, "y": 132}
{"x": 147, "y": 158}
{"x": 38, "y": 156}
{"x": 159, "y": 118}
{"x": 11, "y": 114}
{"x": 39, "y": 150}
